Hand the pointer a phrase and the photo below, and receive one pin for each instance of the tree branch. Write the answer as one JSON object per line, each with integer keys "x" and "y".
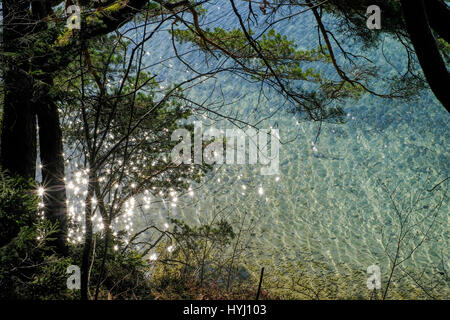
{"x": 427, "y": 51}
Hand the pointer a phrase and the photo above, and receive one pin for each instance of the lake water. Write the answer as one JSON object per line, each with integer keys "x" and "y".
{"x": 327, "y": 202}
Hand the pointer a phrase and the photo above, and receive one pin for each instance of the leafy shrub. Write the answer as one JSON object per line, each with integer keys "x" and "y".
{"x": 200, "y": 264}
{"x": 29, "y": 269}
{"x": 123, "y": 276}
{"x": 17, "y": 206}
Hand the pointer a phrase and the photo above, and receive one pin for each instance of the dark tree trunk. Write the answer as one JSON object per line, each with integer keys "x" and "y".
{"x": 427, "y": 51}
{"x": 25, "y": 97}
{"x": 86, "y": 256}
{"x": 106, "y": 219}
{"x": 439, "y": 17}
{"x": 18, "y": 134}
{"x": 52, "y": 160}
{"x": 108, "y": 237}
{"x": 18, "y": 147}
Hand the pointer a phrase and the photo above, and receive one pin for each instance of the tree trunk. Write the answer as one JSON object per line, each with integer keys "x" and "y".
{"x": 18, "y": 133}
{"x": 86, "y": 256}
{"x": 25, "y": 97}
{"x": 108, "y": 236}
{"x": 52, "y": 160}
{"x": 438, "y": 16}
{"x": 18, "y": 147}
{"x": 427, "y": 51}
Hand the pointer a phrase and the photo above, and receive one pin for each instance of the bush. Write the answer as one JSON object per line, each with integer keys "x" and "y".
{"x": 201, "y": 265}
{"x": 29, "y": 269}
{"x": 17, "y": 206}
{"x": 125, "y": 274}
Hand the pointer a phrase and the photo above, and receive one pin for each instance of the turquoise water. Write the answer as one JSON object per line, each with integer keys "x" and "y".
{"x": 327, "y": 202}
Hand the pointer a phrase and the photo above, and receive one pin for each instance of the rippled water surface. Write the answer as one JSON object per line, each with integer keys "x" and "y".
{"x": 328, "y": 198}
